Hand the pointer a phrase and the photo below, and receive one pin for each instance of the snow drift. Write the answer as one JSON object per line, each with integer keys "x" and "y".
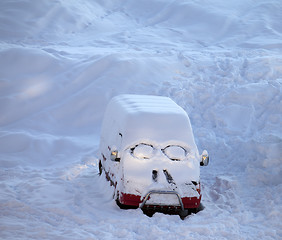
{"x": 62, "y": 61}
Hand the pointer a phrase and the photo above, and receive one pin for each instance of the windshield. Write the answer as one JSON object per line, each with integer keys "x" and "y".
{"x": 147, "y": 151}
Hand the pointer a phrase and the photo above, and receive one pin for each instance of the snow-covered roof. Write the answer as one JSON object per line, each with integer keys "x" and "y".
{"x": 136, "y": 104}
{"x": 148, "y": 118}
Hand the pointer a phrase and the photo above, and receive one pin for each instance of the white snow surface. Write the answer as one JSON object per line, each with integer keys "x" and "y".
{"x": 62, "y": 61}
{"x": 145, "y": 118}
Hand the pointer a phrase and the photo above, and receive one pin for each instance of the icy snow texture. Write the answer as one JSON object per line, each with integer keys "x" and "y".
{"x": 62, "y": 61}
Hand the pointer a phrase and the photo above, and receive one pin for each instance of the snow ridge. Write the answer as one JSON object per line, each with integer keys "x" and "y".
{"x": 62, "y": 61}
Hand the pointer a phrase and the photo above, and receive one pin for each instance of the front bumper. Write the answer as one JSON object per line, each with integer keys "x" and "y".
{"x": 138, "y": 201}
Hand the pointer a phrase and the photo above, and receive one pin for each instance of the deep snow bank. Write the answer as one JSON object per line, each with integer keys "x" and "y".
{"x": 62, "y": 61}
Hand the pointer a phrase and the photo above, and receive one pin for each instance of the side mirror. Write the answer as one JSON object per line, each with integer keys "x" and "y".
{"x": 114, "y": 156}
{"x": 204, "y": 158}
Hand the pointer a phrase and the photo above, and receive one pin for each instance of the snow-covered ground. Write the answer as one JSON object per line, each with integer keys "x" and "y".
{"x": 62, "y": 61}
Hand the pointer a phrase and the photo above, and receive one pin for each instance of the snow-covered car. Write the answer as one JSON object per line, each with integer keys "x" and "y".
{"x": 149, "y": 155}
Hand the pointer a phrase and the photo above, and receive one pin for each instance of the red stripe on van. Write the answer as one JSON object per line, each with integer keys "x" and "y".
{"x": 135, "y": 200}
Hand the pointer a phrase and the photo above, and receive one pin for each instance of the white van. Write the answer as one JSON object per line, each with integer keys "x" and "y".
{"x": 149, "y": 155}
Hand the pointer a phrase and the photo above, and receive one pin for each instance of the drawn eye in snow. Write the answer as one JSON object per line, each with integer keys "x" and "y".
{"x": 143, "y": 151}
{"x": 175, "y": 153}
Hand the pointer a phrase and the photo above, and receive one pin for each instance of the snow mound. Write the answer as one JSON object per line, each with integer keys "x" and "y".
{"x": 62, "y": 61}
